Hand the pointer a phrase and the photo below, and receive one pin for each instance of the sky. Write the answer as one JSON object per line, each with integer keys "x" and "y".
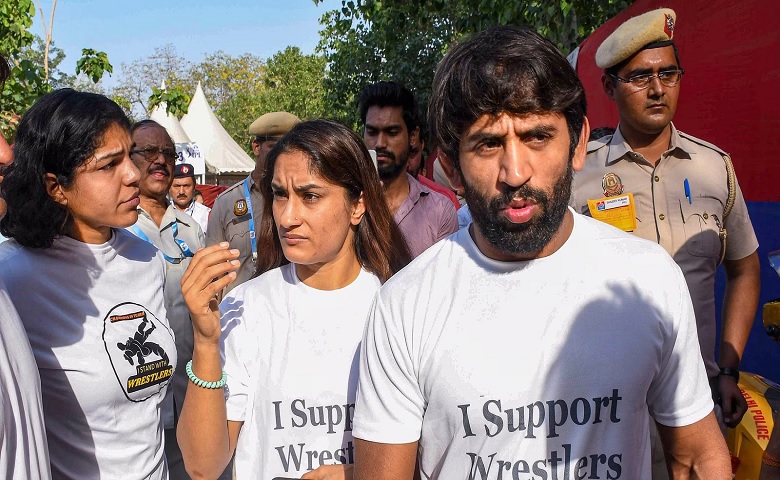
{"x": 127, "y": 31}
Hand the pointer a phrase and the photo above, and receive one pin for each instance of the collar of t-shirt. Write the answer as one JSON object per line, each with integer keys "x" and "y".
{"x": 557, "y": 261}
{"x": 416, "y": 190}
{"x": 619, "y": 149}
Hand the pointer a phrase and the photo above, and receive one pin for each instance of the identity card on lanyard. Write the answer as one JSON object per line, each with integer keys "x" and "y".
{"x": 252, "y": 238}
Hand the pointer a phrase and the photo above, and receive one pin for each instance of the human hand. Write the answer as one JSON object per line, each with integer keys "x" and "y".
{"x": 732, "y": 401}
{"x": 212, "y": 269}
{"x": 330, "y": 472}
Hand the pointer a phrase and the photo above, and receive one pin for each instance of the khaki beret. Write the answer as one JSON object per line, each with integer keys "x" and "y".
{"x": 651, "y": 29}
{"x": 273, "y": 124}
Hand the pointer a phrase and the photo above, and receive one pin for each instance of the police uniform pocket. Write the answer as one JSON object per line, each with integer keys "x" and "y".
{"x": 237, "y": 228}
{"x": 701, "y": 220}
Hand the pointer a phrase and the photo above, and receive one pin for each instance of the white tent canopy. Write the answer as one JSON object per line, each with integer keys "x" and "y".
{"x": 221, "y": 152}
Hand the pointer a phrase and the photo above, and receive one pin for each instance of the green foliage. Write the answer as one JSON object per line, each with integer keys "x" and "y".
{"x": 293, "y": 83}
{"x": 176, "y": 101}
{"x": 26, "y": 82}
{"x": 93, "y": 64}
{"x": 25, "y": 53}
{"x": 238, "y": 88}
{"x": 139, "y": 78}
{"x": 370, "y": 40}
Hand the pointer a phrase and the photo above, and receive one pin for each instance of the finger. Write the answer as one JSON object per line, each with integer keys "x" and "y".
{"x": 199, "y": 291}
{"x": 205, "y": 282}
{"x": 207, "y": 256}
{"x": 215, "y": 263}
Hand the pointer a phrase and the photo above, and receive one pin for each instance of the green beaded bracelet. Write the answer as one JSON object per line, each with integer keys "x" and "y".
{"x": 202, "y": 383}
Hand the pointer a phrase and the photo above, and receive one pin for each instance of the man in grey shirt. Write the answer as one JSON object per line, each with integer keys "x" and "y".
{"x": 178, "y": 236}
{"x": 389, "y": 115}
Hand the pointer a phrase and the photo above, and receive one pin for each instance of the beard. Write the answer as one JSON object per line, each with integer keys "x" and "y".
{"x": 525, "y": 238}
{"x": 390, "y": 171}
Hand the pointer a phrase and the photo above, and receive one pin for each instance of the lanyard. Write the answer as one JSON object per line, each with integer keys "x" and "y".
{"x": 252, "y": 239}
{"x": 185, "y": 249}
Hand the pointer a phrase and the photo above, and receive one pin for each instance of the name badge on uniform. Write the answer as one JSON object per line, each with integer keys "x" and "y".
{"x": 618, "y": 211}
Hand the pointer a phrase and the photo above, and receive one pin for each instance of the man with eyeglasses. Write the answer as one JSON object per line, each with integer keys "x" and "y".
{"x": 235, "y": 216}
{"x": 674, "y": 189}
{"x": 178, "y": 236}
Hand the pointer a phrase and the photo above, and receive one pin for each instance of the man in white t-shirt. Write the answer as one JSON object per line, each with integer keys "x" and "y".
{"x": 537, "y": 343}
{"x": 182, "y": 195}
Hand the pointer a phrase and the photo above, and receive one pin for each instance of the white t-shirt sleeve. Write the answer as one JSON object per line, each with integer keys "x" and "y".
{"x": 680, "y": 393}
{"x": 235, "y": 347}
{"x": 390, "y": 405}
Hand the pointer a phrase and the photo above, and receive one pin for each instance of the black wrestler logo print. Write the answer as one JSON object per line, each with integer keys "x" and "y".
{"x": 140, "y": 356}
{"x": 139, "y": 347}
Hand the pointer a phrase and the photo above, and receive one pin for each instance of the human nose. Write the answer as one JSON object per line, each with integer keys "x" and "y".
{"x": 515, "y": 170}
{"x": 6, "y": 154}
{"x": 132, "y": 174}
{"x": 289, "y": 213}
{"x": 381, "y": 141}
{"x": 655, "y": 86}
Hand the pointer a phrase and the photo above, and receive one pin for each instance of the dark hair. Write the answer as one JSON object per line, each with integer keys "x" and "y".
{"x": 600, "y": 132}
{"x": 60, "y": 132}
{"x": 145, "y": 123}
{"x": 614, "y": 69}
{"x": 503, "y": 69}
{"x": 339, "y": 155}
{"x": 389, "y": 94}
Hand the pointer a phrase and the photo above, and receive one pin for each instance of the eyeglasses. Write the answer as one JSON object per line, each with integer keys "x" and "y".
{"x": 668, "y": 78}
{"x": 151, "y": 154}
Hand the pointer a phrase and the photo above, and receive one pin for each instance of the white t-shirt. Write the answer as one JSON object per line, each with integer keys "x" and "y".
{"x": 290, "y": 352}
{"x": 95, "y": 318}
{"x": 200, "y": 213}
{"x": 538, "y": 369}
{"x": 23, "y": 450}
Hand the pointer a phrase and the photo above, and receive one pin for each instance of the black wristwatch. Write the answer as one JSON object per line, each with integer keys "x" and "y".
{"x": 731, "y": 372}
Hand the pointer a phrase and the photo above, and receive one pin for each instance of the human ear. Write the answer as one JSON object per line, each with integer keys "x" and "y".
{"x": 358, "y": 210}
{"x": 414, "y": 136}
{"x": 608, "y": 84}
{"x": 581, "y": 151}
{"x": 54, "y": 189}
{"x": 453, "y": 175}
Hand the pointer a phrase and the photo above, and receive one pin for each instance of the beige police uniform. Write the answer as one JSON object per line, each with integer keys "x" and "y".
{"x": 688, "y": 230}
{"x": 190, "y": 232}
{"x": 229, "y": 222}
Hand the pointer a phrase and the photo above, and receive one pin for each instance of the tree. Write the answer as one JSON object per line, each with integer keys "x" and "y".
{"x": 32, "y": 68}
{"x": 293, "y": 83}
{"x": 370, "y": 40}
{"x": 140, "y": 77}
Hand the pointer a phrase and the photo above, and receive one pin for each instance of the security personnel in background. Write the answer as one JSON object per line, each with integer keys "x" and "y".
{"x": 672, "y": 188}
{"x": 182, "y": 194}
{"x": 235, "y": 216}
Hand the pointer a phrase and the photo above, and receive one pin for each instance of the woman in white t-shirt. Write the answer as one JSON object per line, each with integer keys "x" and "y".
{"x": 88, "y": 294}
{"x": 289, "y": 337}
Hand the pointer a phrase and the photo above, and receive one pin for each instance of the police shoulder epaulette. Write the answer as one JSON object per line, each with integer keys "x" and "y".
{"x": 594, "y": 145}
{"x": 701, "y": 142}
{"x": 230, "y": 188}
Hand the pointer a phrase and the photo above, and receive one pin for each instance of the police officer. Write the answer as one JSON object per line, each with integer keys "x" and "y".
{"x": 236, "y": 214}
{"x": 674, "y": 189}
{"x": 183, "y": 193}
